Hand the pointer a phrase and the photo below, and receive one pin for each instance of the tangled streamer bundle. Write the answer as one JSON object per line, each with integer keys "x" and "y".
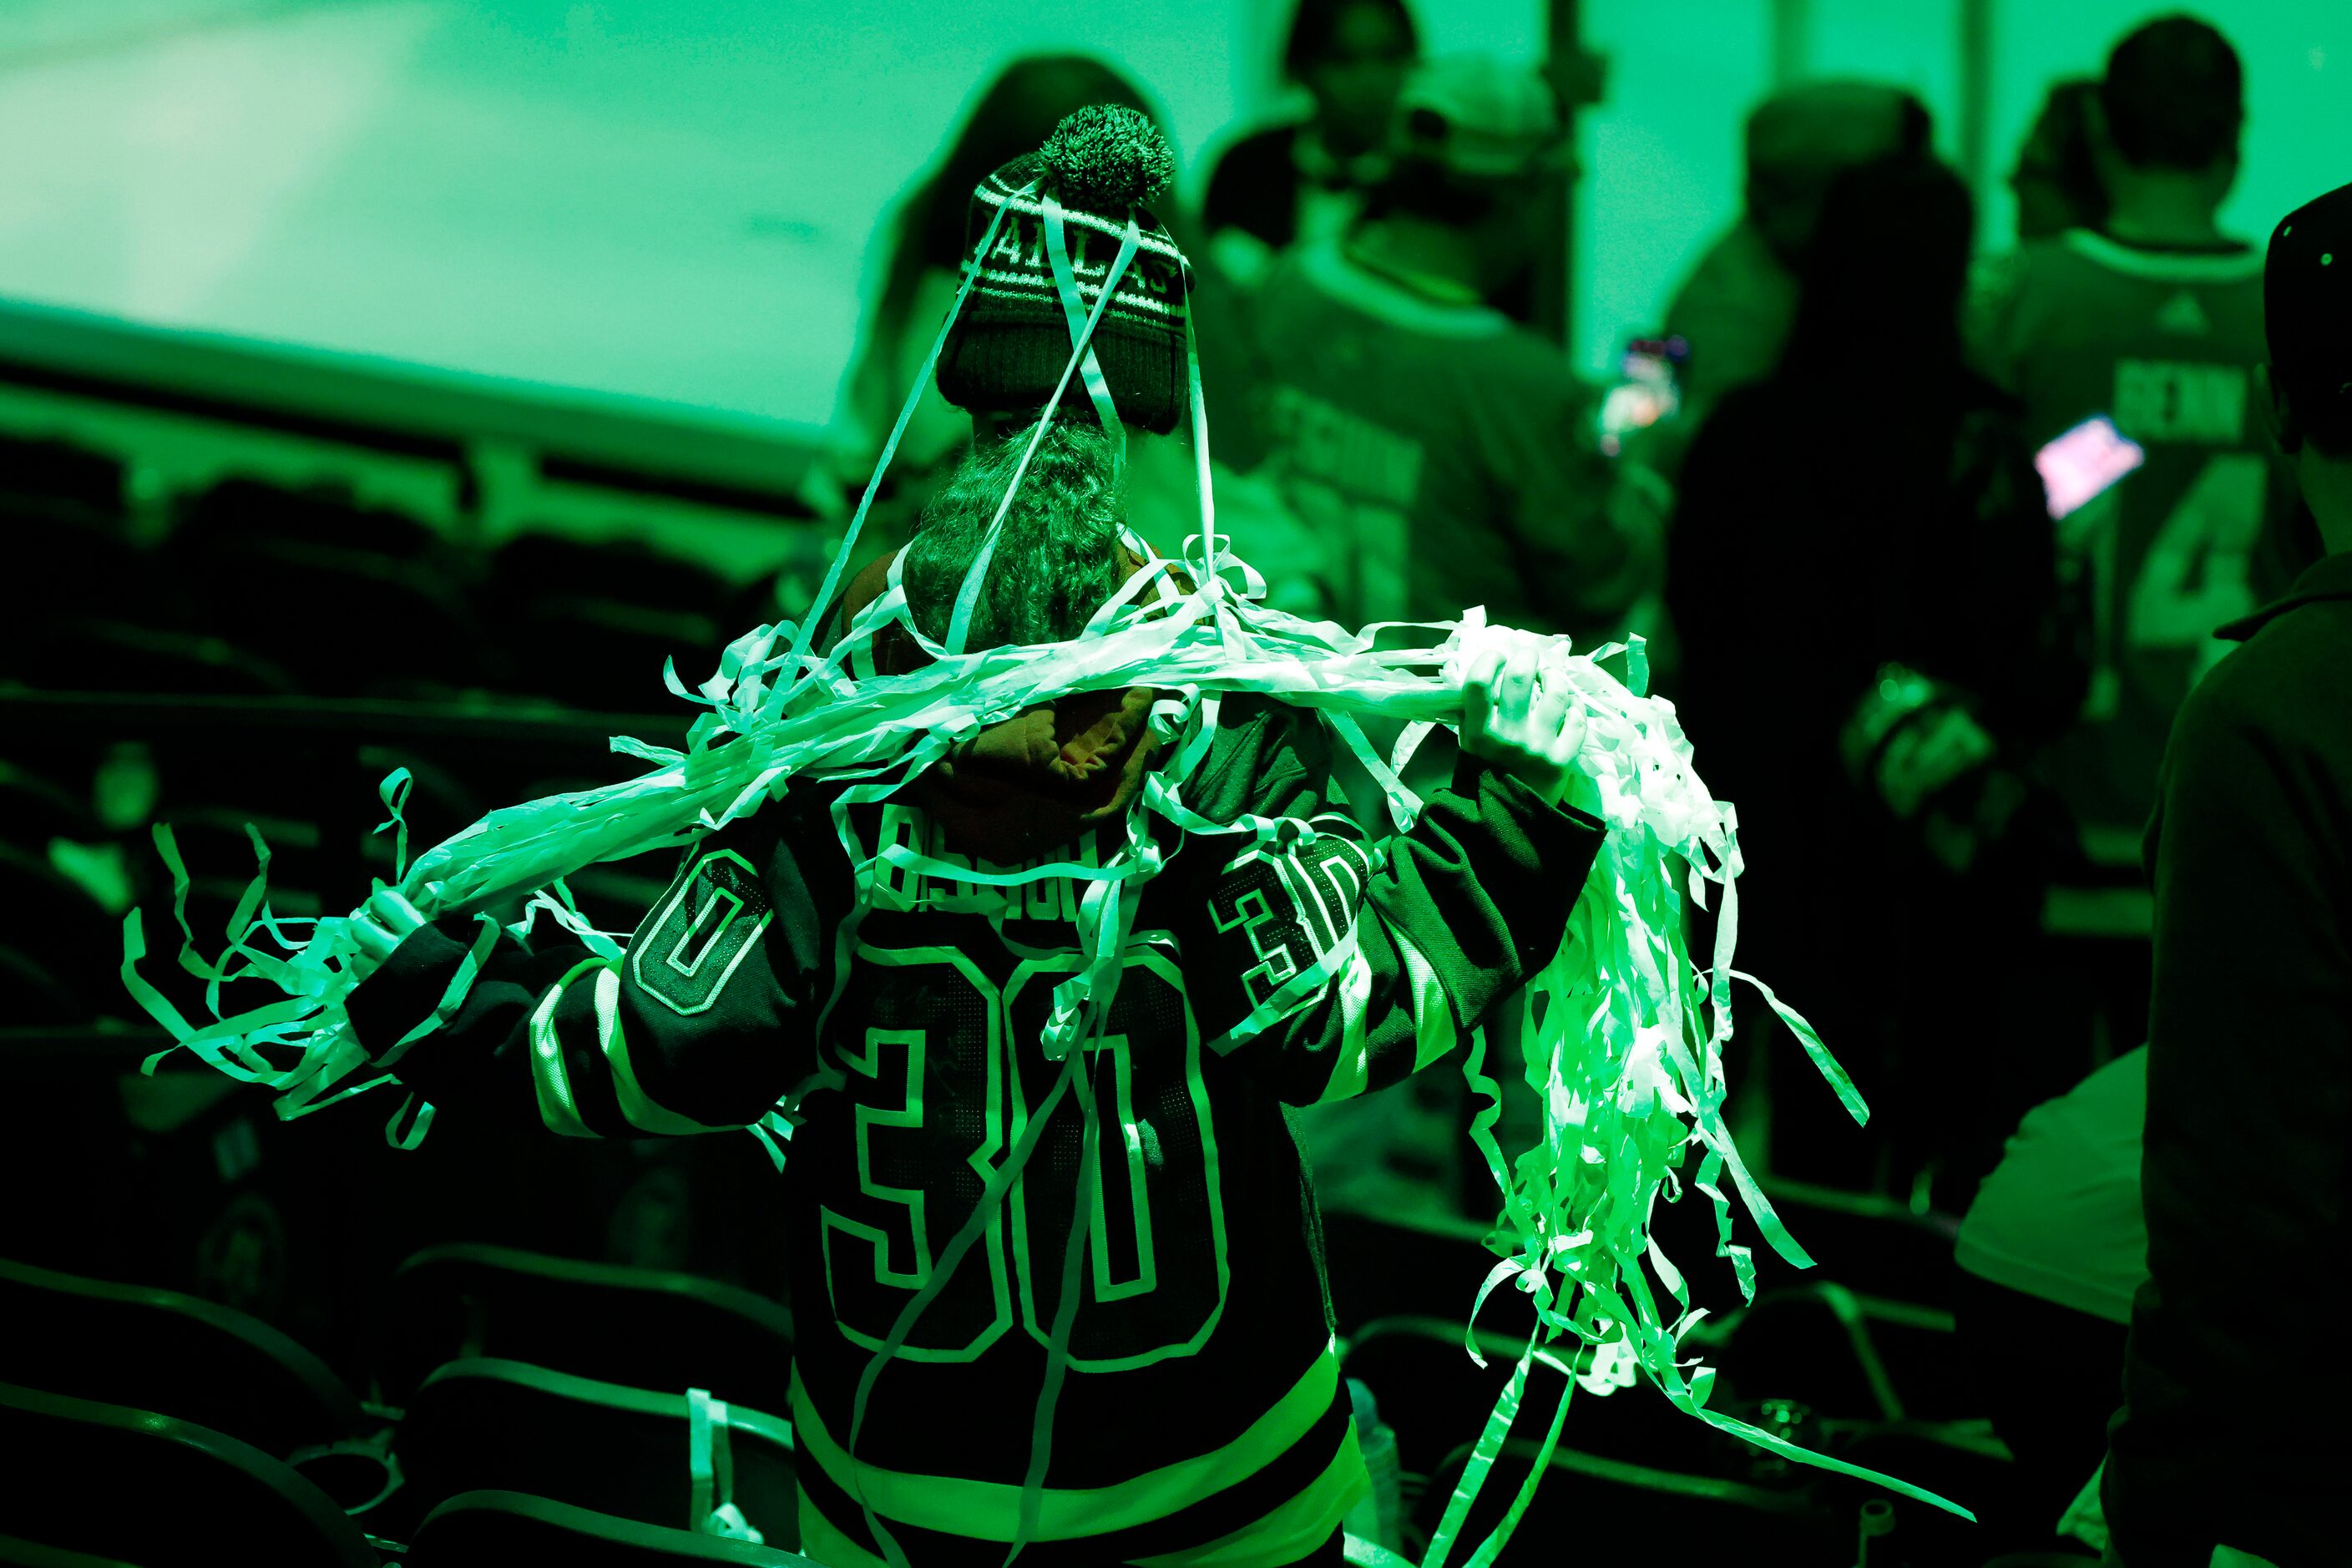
{"x": 1623, "y": 1031}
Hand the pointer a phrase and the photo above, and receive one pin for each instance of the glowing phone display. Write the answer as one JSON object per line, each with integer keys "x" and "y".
{"x": 2080, "y": 465}
{"x": 1648, "y": 394}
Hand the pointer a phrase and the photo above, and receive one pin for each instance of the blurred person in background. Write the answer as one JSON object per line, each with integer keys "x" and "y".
{"x": 1438, "y": 455}
{"x": 2228, "y": 1450}
{"x": 1862, "y": 574}
{"x": 2049, "y": 1256}
{"x": 2056, "y": 180}
{"x": 1309, "y": 181}
{"x": 2155, "y": 320}
{"x": 1734, "y": 308}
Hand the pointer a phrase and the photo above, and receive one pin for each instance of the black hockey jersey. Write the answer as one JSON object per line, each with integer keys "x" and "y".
{"x": 1204, "y": 1414}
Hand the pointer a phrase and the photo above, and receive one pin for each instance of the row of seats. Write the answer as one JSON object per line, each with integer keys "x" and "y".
{"x": 120, "y": 1486}
{"x": 257, "y": 593}
{"x": 148, "y": 1421}
{"x": 516, "y": 1374}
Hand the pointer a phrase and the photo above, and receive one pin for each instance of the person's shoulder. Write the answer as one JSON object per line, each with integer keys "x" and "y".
{"x": 1265, "y": 757}
{"x": 2289, "y": 684}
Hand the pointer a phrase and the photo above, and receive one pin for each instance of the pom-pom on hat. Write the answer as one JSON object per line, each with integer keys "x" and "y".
{"x": 1103, "y": 162}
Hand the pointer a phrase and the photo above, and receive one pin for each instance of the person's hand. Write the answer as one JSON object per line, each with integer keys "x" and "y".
{"x": 1512, "y": 721}
{"x": 379, "y": 926}
{"x": 1927, "y": 755}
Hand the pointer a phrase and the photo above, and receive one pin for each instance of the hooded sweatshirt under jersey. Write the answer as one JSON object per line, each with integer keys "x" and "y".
{"x": 1204, "y": 1417}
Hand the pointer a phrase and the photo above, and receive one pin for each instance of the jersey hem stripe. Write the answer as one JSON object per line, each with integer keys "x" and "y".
{"x": 991, "y": 1509}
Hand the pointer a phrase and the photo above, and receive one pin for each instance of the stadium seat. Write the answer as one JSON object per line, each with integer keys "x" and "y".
{"x": 1597, "y": 1509}
{"x": 60, "y": 471}
{"x": 158, "y": 1350}
{"x": 496, "y": 1529}
{"x": 501, "y": 1426}
{"x": 1959, "y": 1460}
{"x": 69, "y": 945}
{"x": 98, "y": 654}
{"x": 590, "y": 625}
{"x": 1812, "y": 1342}
{"x": 330, "y": 611}
{"x": 1871, "y": 1244}
{"x": 1435, "y": 1398}
{"x": 1383, "y": 1270}
{"x": 532, "y": 566}
{"x": 33, "y": 1555}
{"x": 639, "y": 1327}
{"x": 37, "y": 809}
{"x": 1428, "y": 1389}
{"x": 238, "y": 512}
{"x": 122, "y": 1483}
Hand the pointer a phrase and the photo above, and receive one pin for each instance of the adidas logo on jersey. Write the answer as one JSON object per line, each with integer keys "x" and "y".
{"x": 2183, "y": 317}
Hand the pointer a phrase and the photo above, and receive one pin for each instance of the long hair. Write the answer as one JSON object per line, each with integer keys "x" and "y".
{"x": 1057, "y": 561}
{"x": 1017, "y": 112}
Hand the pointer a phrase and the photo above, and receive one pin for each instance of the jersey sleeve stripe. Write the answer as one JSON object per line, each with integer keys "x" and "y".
{"x": 1351, "y": 1074}
{"x": 637, "y": 1107}
{"x": 1436, "y": 1028}
{"x": 550, "y": 1077}
{"x": 991, "y": 1509}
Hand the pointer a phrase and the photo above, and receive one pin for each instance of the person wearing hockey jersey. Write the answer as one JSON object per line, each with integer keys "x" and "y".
{"x": 1437, "y": 453}
{"x": 2155, "y": 320}
{"x": 899, "y": 1016}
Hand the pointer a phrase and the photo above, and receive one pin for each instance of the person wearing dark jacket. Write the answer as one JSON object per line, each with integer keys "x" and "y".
{"x": 2230, "y": 1447}
{"x": 1862, "y": 574}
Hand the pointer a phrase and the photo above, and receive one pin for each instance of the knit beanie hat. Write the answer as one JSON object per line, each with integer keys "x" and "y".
{"x": 1012, "y": 342}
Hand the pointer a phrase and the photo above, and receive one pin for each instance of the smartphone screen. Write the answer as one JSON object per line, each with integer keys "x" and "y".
{"x": 1646, "y": 393}
{"x": 2081, "y": 464}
